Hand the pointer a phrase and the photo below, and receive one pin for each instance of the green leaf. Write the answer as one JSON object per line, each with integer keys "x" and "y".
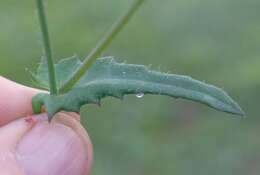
{"x": 64, "y": 69}
{"x": 109, "y": 78}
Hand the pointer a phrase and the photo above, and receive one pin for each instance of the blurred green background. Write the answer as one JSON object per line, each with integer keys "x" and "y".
{"x": 215, "y": 41}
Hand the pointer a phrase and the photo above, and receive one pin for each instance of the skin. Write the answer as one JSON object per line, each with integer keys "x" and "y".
{"x": 29, "y": 145}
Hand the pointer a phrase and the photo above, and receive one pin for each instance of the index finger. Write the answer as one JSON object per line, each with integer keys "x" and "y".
{"x": 15, "y": 100}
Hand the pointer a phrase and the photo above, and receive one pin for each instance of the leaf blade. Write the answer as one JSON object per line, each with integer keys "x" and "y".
{"x": 109, "y": 78}
{"x": 64, "y": 69}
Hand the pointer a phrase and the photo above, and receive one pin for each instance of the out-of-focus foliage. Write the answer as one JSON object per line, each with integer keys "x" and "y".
{"x": 215, "y": 41}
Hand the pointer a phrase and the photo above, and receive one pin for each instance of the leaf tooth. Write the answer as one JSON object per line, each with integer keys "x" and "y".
{"x": 94, "y": 100}
{"x": 97, "y": 102}
{"x": 119, "y": 95}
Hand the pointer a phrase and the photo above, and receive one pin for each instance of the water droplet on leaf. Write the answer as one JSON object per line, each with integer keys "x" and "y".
{"x": 140, "y": 95}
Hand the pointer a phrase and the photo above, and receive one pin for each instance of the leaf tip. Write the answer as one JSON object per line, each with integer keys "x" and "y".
{"x": 239, "y": 111}
{"x": 235, "y": 109}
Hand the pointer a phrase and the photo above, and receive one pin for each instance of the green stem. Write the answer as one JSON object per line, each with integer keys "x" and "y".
{"x": 102, "y": 45}
{"x": 47, "y": 47}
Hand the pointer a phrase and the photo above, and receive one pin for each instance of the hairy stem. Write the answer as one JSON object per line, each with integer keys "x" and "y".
{"x": 102, "y": 45}
{"x": 47, "y": 47}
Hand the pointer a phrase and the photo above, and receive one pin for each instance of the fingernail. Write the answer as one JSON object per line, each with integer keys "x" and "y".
{"x": 51, "y": 148}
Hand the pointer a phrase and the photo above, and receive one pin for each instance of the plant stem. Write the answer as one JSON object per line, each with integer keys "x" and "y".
{"x": 47, "y": 47}
{"x": 102, "y": 45}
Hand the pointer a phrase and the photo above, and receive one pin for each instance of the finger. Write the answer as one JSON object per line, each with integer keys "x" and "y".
{"x": 15, "y": 100}
{"x": 61, "y": 147}
{"x": 10, "y": 135}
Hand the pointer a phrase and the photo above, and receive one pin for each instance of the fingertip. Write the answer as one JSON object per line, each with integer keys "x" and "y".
{"x": 72, "y": 120}
{"x": 49, "y": 147}
{"x": 12, "y": 133}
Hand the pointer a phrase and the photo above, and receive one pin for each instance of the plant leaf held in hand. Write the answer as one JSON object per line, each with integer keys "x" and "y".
{"x": 109, "y": 78}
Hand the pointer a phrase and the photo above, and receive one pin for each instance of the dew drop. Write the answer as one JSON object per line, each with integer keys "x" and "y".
{"x": 140, "y": 95}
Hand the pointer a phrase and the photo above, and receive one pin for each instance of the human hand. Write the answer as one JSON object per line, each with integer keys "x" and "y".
{"x": 29, "y": 145}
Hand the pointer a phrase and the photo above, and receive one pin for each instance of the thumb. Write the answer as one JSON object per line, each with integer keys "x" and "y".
{"x": 61, "y": 147}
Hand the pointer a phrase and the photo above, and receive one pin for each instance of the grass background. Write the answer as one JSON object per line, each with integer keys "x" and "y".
{"x": 214, "y": 41}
